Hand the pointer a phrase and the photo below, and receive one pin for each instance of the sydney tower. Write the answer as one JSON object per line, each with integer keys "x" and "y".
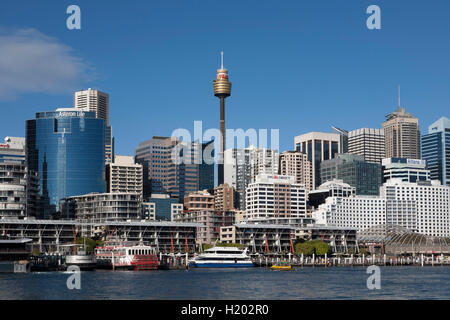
{"x": 222, "y": 90}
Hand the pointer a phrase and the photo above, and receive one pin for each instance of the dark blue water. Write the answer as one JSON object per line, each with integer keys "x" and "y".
{"x": 252, "y": 283}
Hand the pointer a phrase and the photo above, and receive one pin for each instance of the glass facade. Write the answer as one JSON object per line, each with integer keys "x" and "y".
{"x": 431, "y": 152}
{"x": 206, "y": 171}
{"x": 352, "y": 169}
{"x": 163, "y": 208}
{"x": 67, "y": 148}
{"x": 436, "y": 150}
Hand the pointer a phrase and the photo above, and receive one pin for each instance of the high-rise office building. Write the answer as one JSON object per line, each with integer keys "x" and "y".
{"x": 67, "y": 148}
{"x": 243, "y": 165}
{"x": 166, "y": 170}
{"x": 155, "y": 157}
{"x": 343, "y": 136}
{"x": 98, "y": 102}
{"x": 95, "y": 101}
{"x": 407, "y": 170}
{"x": 206, "y": 170}
{"x": 275, "y": 196}
{"x": 402, "y": 135}
{"x": 366, "y": 177}
{"x": 318, "y": 146}
{"x": 123, "y": 175}
{"x": 436, "y": 150}
{"x": 297, "y": 165}
{"x": 368, "y": 143}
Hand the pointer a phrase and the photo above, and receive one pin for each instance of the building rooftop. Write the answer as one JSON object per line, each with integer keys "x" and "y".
{"x": 399, "y": 113}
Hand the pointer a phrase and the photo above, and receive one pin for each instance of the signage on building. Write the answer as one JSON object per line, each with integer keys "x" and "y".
{"x": 63, "y": 114}
{"x": 4, "y": 146}
{"x": 268, "y": 177}
{"x": 416, "y": 161}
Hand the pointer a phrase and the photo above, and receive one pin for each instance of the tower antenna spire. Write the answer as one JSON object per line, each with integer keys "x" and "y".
{"x": 221, "y": 59}
{"x": 399, "y": 97}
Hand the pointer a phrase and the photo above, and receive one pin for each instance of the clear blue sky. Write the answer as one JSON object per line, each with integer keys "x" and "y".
{"x": 295, "y": 65}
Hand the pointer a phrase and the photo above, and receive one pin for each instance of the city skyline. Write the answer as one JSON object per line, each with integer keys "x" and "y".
{"x": 295, "y": 91}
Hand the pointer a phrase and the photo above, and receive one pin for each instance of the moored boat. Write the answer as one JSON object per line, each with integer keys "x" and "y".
{"x": 81, "y": 258}
{"x": 116, "y": 254}
{"x": 222, "y": 257}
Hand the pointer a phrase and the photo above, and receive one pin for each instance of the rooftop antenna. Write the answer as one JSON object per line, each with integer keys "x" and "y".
{"x": 221, "y": 59}
{"x": 399, "y": 97}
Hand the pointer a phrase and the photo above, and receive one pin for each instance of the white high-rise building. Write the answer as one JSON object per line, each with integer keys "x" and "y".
{"x": 361, "y": 212}
{"x": 241, "y": 167}
{"x": 275, "y": 196}
{"x": 423, "y": 207}
{"x": 368, "y": 143}
{"x": 98, "y": 102}
{"x": 94, "y": 101}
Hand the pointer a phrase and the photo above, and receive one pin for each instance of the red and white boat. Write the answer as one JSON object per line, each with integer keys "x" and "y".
{"x": 116, "y": 254}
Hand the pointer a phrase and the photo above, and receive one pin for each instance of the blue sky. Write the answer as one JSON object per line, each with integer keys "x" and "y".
{"x": 297, "y": 66}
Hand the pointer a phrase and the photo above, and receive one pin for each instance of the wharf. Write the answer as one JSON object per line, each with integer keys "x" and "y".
{"x": 46, "y": 263}
{"x": 382, "y": 260}
{"x": 173, "y": 262}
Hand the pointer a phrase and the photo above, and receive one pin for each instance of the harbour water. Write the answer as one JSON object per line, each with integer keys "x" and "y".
{"x": 251, "y": 283}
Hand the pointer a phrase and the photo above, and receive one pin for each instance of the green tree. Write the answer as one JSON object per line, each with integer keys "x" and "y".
{"x": 363, "y": 251}
{"x": 90, "y": 243}
{"x": 305, "y": 248}
{"x": 321, "y": 248}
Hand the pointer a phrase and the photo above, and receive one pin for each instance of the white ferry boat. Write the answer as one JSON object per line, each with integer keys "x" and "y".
{"x": 80, "y": 257}
{"x": 222, "y": 257}
{"x": 124, "y": 255}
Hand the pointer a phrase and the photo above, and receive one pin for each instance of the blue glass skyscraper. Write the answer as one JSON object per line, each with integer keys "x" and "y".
{"x": 436, "y": 150}
{"x": 205, "y": 170}
{"x": 67, "y": 148}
